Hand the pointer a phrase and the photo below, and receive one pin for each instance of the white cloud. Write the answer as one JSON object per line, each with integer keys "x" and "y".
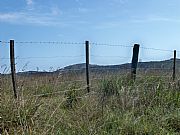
{"x": 56, "y": 11}
{"x": 118, "y": 1}
{"x": 27, "y": 18}
{"x": 9, "y": 16}
{"x": 38, "y": 16}
{"x": 83, "y": 10}
{"x": 156, "y": 19}
{"x": 108, "y": 25}
{"x": 47, "y": 19}
{"x": 29, "y": 2}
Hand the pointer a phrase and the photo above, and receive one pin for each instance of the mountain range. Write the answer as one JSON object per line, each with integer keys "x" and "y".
{"x": 151, "y": 65}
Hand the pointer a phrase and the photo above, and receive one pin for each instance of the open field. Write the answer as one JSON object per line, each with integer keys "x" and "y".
{"x": 57, "y": 104}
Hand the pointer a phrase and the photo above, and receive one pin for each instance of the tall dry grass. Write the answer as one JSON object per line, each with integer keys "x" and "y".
{"x": 115, "y": 105}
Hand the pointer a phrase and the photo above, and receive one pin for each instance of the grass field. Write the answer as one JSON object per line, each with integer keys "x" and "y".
{"x": 115, "y": 106}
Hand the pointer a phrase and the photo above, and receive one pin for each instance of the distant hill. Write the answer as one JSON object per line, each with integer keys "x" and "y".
{"x": 34, "y": 73}
{"x": 166, "y": 64}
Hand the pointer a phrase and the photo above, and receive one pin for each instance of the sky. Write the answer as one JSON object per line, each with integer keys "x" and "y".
{"x": 150, "y": 23}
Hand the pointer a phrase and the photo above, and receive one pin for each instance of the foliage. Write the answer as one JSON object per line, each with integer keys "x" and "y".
{"x": 151, "y": 105}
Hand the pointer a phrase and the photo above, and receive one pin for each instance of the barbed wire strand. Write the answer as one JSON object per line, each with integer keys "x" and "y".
{"x": 110, "y": 56}
{"x": 60, "y": 92}
{"x": 46, "y": 42}
{"x": 104, "y": 69}
{"x": 74, "y": 81}
{"x": 78, "y": 43}
{"x": 157, "y": 49}
{"x": 68, "y": 57}
{"x": 115, "y": 45}
{"x": 145, "y": 75}
{"x": 65, "y": 98}
{"x": 46, "y": 57}
{"x": 128, "y": 68}
{"x": 4, "y": 42}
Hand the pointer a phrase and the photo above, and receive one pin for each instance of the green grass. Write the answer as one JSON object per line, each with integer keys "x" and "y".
{"x": 118, "y": 106}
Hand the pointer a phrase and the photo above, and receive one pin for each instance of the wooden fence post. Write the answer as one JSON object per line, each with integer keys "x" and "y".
{"x": 134, "y": 61}
{"x": 13, "y": 69}
{"x": 174, "y": 66}
{"x": 87, "y": 65}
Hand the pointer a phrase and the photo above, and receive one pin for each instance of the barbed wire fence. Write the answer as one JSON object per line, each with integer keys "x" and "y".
{"x": 88, "y": 71}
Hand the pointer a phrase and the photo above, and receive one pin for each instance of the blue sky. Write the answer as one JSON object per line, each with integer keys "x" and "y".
{"x": 151, "y": 23}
